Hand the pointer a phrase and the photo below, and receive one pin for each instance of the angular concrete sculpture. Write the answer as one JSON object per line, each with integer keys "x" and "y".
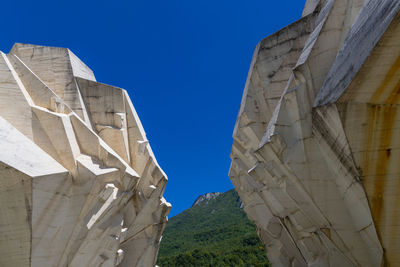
{"x": 79, "y": 184}
{"x": 315, "y": 157}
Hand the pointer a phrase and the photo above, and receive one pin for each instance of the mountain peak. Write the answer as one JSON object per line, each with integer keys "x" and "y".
{"x": 205, "y": 198}
{"x": 214, "y": 232}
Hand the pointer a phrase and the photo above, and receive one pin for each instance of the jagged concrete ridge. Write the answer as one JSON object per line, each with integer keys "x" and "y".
{"x": 315, "y": 165}
{"x": 79, "y": 183}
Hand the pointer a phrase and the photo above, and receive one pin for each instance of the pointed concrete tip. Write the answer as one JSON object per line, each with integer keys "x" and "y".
{"x": 80, "y": 69}
{"x": 18, "y": 46}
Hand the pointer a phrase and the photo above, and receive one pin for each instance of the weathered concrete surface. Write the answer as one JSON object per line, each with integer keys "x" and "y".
{"x": 315, "y": 154}
{"x": 79, "y": 184}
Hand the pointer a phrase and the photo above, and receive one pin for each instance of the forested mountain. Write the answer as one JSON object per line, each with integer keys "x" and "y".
{"x": 215, "y": 231}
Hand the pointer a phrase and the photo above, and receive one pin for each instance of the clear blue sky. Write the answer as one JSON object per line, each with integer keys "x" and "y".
{"x": 184, "y": 64}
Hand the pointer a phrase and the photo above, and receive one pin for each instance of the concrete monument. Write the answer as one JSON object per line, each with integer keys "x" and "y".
{"x": 315, "y": 157}
{"x": 79, "y": 184}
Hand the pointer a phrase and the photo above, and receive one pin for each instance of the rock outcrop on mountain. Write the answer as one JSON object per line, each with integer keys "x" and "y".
{"x": 79, "y": 184}
{"x": 315, "y": 153}
{"x": 205, "y": 198}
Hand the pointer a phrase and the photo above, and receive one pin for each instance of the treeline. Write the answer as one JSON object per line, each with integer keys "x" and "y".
{"x": 250, "y": 254}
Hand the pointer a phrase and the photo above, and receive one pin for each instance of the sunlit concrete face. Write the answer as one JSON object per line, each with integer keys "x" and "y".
{"x": 315, "y": 153}
{"x": 79, "y": 183}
